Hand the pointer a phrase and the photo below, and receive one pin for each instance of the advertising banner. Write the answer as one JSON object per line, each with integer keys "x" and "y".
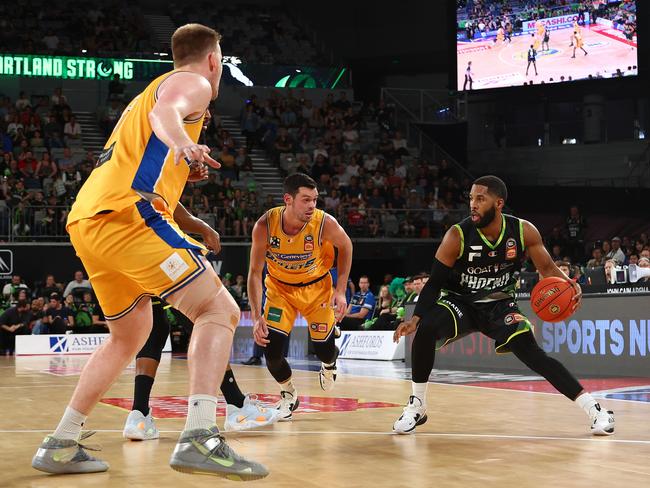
{"x": 370, "y": 345}
{"x": 63, "y": 344}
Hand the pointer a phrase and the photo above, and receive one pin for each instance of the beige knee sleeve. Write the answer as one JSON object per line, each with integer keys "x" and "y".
{"x": 206, "y": 301}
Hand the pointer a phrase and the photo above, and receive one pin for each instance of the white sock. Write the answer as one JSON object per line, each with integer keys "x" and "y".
{"x": 420, "y": 391}
{"x": 201, "y": 412}
{"x": 586, "y": 402}
{"x": 70, "y": 425}
{"x": 288, "y": 386}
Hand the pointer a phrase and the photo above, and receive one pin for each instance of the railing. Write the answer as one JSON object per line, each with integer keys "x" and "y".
{"x": 47, "y": 224}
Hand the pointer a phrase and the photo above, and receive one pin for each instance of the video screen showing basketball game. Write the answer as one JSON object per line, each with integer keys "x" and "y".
{"x": 516, "y": 42}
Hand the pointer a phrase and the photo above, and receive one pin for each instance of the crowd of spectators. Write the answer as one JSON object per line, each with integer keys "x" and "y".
{"x": 42, "y": 164}
{"x": 70, "y": 27}
{"x": 478, "y": 17}
{"x": 368, "y": 176}
{"x": 263, "y": 35}
{"x": 53, "y": 307}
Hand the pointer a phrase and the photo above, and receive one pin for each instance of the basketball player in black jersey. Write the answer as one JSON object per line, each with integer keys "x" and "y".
{"x": 472, "y": 289}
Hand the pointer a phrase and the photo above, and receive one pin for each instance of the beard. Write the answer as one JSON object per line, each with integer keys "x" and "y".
{"x": 486, "y": 219}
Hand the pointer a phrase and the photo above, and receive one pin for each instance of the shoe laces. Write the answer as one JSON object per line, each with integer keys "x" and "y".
{"x": 256, "y": 402}
{"x": 90, "y": 447}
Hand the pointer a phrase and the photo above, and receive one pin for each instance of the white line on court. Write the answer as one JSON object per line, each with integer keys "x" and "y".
{"x": 386, "y": 433}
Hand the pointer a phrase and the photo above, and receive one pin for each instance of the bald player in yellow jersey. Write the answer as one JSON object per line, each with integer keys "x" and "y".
{"x": 296, "y": 243}
{"x": 128, "y": 227}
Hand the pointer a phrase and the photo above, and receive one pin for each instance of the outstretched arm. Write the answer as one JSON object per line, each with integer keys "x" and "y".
{"x": 543, "y": 261}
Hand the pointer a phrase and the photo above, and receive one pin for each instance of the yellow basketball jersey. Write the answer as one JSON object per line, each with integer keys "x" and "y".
{"x": 300, "y": 258}
{"x": 135, "y": 162}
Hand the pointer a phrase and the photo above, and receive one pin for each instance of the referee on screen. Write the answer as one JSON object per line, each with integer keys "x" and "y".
{"x": 532, "y": 55}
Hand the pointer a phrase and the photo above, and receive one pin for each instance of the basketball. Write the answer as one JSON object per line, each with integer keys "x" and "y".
{"x": 551, "y": 299}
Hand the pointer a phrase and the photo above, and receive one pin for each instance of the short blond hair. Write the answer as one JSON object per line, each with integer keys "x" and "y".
{"x": 191, "y": 42}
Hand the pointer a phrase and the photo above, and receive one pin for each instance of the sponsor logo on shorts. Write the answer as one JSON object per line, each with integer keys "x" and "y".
{"x": 512, "y": 318}
{"x": 309, "y": 243}
{"x": 318, "y": 327}
{"x": 274, "y": 315}
{"x": 174, "y": 266}
{"x": 454, "y": 307}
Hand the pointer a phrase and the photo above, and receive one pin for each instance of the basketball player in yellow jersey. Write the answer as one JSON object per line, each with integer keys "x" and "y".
{"x": 296, "y": 242}
{"x": 127, "y": 226}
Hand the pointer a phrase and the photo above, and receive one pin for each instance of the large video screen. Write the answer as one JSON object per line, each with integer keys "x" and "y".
{"x": 517, "y": 42}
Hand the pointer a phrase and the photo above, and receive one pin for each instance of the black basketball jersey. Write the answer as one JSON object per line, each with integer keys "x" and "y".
{"x": 487, "y": 271}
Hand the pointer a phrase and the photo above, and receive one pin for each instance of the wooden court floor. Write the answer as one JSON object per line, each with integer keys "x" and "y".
{"x": 474, "y": 436}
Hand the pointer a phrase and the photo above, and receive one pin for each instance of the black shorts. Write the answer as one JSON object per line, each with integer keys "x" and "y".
{"x": 501, "y": 321}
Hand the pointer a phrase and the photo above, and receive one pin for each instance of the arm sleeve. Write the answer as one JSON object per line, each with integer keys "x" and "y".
{"x": 431, "y": 290}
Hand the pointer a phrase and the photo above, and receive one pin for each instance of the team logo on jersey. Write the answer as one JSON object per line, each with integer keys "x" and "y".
{"x": 309, "y": 243}
{"x": 275, "y": 242}
{"x": 492, "y": 254}
{"x": 511, "y": 249}
{"x": 476, "y": 253}
{"x": 511, "y": 318}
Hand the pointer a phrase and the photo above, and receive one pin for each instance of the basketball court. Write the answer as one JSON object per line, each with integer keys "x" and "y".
{"x": 504, "y": 64}
{"x": 483, "y": 429}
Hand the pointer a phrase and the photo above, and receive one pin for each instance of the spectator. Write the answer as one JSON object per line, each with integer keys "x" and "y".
{"x": 72, "y": 130}
{"x": 609, "y": 267}
{"x": 88, "y": 317}
{"x": 616, "y": 253}
{"x": 116, "y": 88}
{"x": 575, "y": 226}
{"x": 37, "y": 314}
{"x": 57, "y": 319}
{"x": 360, "y": 307}
{"x": 597, "y": 258}
{"x": 50, "y": 286}
{"x": 14, "y": 321}
{"x": 10, "y": 290}
{"x": 78, "y": 282}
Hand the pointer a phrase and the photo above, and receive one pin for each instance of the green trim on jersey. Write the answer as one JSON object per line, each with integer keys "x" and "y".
{"x": 462, "y": 241}
{"x": 503, "y": 231}
{"x": 521, "y": 234}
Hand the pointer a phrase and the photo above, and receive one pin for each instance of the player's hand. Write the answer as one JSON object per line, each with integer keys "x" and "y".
{"x": 340, "y": 305}
{"x": 211, "y": 239}
{"x": 260, "y": 332}
{"x": 406, "y": 328}
{"x": 198, "y": 172}
{"x": 577, "y": 299}
{"x": 195, "y": 152}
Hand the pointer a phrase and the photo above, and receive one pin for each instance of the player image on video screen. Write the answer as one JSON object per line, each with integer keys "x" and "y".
{"x": 494, "y": 38}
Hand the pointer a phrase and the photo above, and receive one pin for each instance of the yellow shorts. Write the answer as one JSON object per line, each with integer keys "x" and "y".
{"x": 283, "y": 302}
{"x": 134, "y": 253}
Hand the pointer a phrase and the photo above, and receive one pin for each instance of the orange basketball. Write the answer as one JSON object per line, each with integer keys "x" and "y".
{"x": 551, "y": 299}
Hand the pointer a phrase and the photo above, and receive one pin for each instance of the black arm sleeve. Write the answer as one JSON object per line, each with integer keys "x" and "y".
{"x": 431, "y": 290}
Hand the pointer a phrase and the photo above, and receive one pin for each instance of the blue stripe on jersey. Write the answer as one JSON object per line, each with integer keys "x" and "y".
{"x": 151, "y": 165}
{"x": 162, "y": 228}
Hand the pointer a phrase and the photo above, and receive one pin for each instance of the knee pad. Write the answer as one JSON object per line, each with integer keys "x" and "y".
{"x": 206, "y": 301}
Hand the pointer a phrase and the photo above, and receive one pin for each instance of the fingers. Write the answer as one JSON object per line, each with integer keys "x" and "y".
{"x": 212, "y": 162}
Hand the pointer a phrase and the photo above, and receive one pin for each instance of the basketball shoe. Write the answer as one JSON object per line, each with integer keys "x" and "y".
{"x": 252, "y": 414}
{"x": 205, "y": 451}
{"x": 139, "y": 427}
{"x": 67, "y": 456}
{"x": 327, "y": 374}
{"x": 287, "y": 405}
{"x": 602, "y": 421}
{"x": 414, "y": 414}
